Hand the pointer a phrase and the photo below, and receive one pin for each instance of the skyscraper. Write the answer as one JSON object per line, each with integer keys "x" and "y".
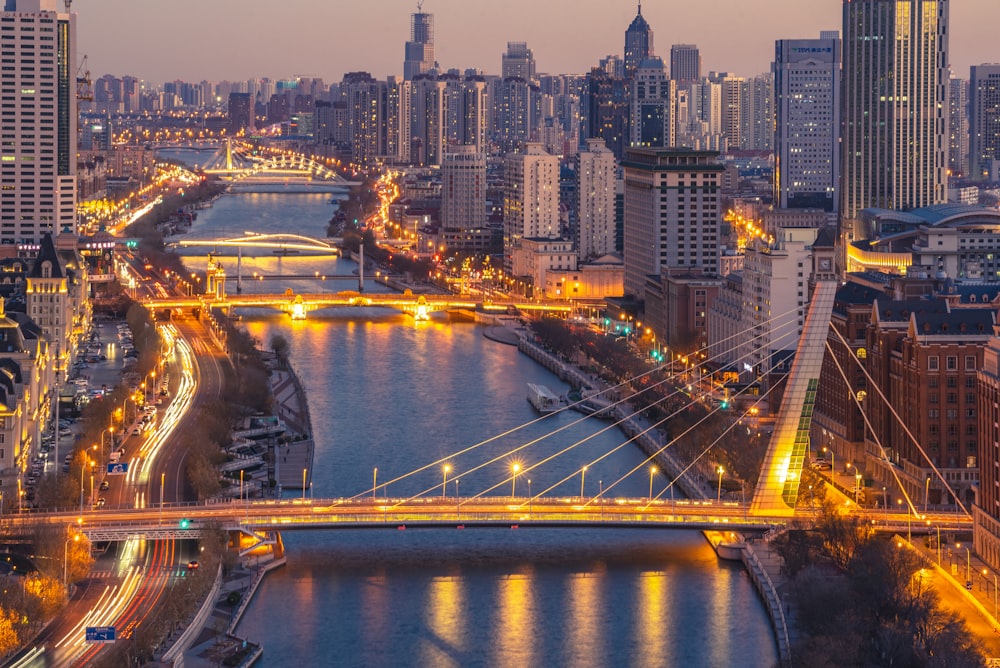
{"x": 894, "y": 101}
{"x": 531, "y": 197}
{"x": 664, "y": 228}
{"x": 638, "y": 43}
{"x": 419, "y": 52}
{"x": 653, "y": 102}
{"x": 38, "y": 121}
{"x": 519, "y": 62}
{"x": 958, "y": 126}
{"x": 595, "y": 191}
{"x": 984, "y": 121}
{"x": 807, "y": 131}
{"x": 685, "y": 64}
{"x": 463, "y": 189}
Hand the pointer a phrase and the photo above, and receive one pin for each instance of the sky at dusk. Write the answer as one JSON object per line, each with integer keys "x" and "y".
{"x": 193, "y": 40}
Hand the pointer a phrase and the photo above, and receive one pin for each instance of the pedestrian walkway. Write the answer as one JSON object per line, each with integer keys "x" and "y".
{"x": 773, "y": 586}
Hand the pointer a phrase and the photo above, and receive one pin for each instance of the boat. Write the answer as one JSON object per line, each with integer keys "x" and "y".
{"x": 543, "y": 399}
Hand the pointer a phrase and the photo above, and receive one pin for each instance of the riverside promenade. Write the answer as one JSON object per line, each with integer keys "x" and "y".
{"x": 292, "y": 408}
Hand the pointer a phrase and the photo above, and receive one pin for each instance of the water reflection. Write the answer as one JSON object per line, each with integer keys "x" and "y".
{"x": 515, "y": 628}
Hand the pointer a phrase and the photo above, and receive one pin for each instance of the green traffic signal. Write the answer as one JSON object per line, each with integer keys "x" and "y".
{"x": 185, "y": 523}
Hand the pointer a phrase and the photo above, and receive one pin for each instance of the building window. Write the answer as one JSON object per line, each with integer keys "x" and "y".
{"x": 952, "y": 362}
{"x": 970, "y": 362}
{"x": 932, "y": 363}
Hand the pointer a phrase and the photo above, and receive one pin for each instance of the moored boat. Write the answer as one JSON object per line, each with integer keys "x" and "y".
{"x": 542, "y": 398}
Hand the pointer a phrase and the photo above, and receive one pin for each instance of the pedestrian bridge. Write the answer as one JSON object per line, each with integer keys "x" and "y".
{"x": 276, "y": 243}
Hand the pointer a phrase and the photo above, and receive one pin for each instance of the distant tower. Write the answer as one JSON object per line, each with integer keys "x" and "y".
{"x": 638, "y": 43}
{"x": 685, "y": 64}
{"x": 419, "y": 54}
{"x": 895, "y": 104}
{"x": 984, "y": 113}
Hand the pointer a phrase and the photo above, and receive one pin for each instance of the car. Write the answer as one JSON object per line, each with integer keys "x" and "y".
{"x": 100, "y": 502}
{"x": 105, "y": 485}
{"x": 821, "y": 465}
{"x": 192, "y": 565}
{"x": 136, "y": 431}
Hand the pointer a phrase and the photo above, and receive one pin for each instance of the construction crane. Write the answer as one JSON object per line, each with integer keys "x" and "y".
{"x": 84, "y": 88}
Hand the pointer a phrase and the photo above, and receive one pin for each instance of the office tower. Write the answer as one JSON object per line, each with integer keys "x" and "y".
{"x": 984, "y": 121}
{"x": 38, "y": 121}
{"x": 595, "y": 191}
{"x": 463, "y": 189}
{"x": 672, "y": 212}
{"x": 472, "y": 129}
{"x": 604, "y": 109}
{"x": 958, "y": 126}
{"x": 807, "y": 131}
{"x": 531, "y": 197}
{"x": 894, "y": 100}
{"x": 685, "y": 64}
{"x": 519, "y": 62}
{"x": 419, "y": 52}
{"x": 653, "y": 102}
{"x": 638, "y": 43}
{"x": 398, "y": 121}
{"x": 240, "y": 114}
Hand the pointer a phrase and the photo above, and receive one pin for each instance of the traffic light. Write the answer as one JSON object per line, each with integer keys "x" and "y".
{"x": 185, "y": 523}
{"x": 725, "y": 403}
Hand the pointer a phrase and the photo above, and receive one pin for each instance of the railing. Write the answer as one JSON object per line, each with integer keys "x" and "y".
{"x": 773, "y": 602}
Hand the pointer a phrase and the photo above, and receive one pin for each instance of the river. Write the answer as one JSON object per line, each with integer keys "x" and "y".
{"x": 390, "y": 393}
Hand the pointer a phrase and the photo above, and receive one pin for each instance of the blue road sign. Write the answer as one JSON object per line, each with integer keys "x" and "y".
{"x": 100, "y": 634}
{"x": 118, "y": 469}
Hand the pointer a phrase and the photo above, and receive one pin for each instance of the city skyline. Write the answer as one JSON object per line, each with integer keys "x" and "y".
{"x": 305, "y": 45}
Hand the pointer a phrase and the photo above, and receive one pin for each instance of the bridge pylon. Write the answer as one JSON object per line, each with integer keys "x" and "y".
{"x": 778, "y": 488}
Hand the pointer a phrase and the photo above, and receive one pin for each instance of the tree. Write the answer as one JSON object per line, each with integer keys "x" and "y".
{"x": 279, "y": 344}
{"x": 8, "y": 631}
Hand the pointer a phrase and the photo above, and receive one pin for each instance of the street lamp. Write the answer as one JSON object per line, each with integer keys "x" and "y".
{"x": 833, "y": 462}
{"x": 529, "y": 498}
{"x": 927, "y": 493}
{"x": 444, "y": 483}
{"x": 968, "y": 566}
{"x": 304, "y": 471}
{"x": 75, "y": 538}
{"x": 720, "y": 471}
{"x": 583, "y": 475}
{"x": 513, "y": 481}
{"x": 652, "y": 472}
{"x": 857, "y": 486}
{"x": 374, "y": 483}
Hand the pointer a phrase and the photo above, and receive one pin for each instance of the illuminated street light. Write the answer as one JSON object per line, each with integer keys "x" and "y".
{"x": 583, "y": 475}
{"x": 652, "y": 472}
{"x": 720, "y": 471}
{"x": 513, "y": 481}
{"x": 444, "y": 483}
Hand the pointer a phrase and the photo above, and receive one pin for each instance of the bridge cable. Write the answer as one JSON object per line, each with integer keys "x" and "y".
{"x": 535, "y": 441}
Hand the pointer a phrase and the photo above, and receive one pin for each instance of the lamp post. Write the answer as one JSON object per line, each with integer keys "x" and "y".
{"x": 720, "y": 471}
{"x": 304, "y": 471}
{"x": 968, "y": 564}
{"x": 583, "y": 475}
{"x": 652, "y": 472}
{"x": 163, "y": 480}
{"x": 939, "y": 545}
{"x": 885, "y": 509}
{"x": 857, "y": 486}
{"x": 83, "y": 471}
{"x": 927, "y": 493}
{"x": 529, "y": 498}
{"x": 513, "y": 481}
{"x": 458, "y": 501}
{"x": 75, "y": 538}
{"x": 374, "y": 483}
{"x": 444, "y": 483}
{"x": 600, "y": 497}
{"x": 833, "y": 461}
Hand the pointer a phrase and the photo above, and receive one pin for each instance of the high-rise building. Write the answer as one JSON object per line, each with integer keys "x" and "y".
{"x": 595, "y": 190}
{"x": 240, "y": 113}
{"x": 38, "y": 120}
{"x": 759, "y": 119}
{"x": 604, "y": 110}
{"x": 463, "y": 189}
{"x": 653, "y": 102}
{"x": 531, "y": 197}
{"x": 894, "y": 105}
{"x": 519, "y": 62}
{"x": 419, "y": 52}
{"x": 958, "y": 126}
{"x": 427, "y": 120}
{"x": 366, "y": 101}
{"x": 638, "y": 43}
{"x": 807, "y": 131}
{"x": 734, "y": 110}
{"x": 514, "y": 113}
{"x": 672, "y": 212}
{"x": 984, "y": 121}
{"x": 685, "y": 64}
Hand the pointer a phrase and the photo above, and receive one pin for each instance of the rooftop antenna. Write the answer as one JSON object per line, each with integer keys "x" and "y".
{"x": 420, "y": 5}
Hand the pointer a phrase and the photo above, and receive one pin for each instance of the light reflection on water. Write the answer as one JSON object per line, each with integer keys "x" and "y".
{"x": 386, "y": 392}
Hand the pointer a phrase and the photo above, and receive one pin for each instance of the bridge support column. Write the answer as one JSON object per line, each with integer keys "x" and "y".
{"x": 778, "y": 489}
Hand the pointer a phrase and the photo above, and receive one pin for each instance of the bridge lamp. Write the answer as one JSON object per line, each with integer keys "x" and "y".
{"x": 720, "y": 471}
{"x": 515, "y": 468}
{"x": 652, "y": 472}
{"x": 444, "y": 484}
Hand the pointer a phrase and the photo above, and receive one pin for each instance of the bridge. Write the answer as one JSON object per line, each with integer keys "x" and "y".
{"x": 246, "y": 163}
{"x": 775, "y": 501}
{"x": 281, "y": 243}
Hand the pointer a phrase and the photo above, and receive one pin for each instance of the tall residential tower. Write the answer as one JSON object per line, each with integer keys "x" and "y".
{"x": 38, "y": 121}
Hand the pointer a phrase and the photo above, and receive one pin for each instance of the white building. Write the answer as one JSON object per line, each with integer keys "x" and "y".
{"x": 807, "y": 135}
{"x": 531, "y": 197}
{"x": 463, "y": 189}
{"x": 595, "y": 189}
{"x": 672, "y": 212}
{"x": 38, "y": 121}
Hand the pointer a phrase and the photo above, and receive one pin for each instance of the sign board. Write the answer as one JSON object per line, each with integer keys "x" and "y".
{"x": 100, "y": 634}
{"x": 118, "y": 469}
